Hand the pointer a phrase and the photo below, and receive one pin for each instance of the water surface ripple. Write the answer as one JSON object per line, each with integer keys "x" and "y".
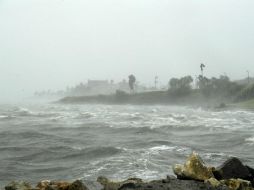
{"x": 54, "y": 141}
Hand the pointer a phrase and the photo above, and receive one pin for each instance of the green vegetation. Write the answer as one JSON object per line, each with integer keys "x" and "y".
{"x": 248, "y": 104}
{"x": 246, "y": 93}
{"x": 209, "y": 92}
{"x": 180, "y": 87}
{"x": 219, "y": 87}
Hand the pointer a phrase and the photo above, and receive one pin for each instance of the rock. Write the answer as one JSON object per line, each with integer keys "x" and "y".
{"x": 92, "y": 185}
{"x": 54, "y": 185}
{"x": 18, "y": 186}
{"x": 43, "y": 184}
{"x": 130, "y": 183}
{"x": 232, "y": 184}
{"x": 172, "y": 184}
{"x": 251, "y": 170}
{"x": 237, "y": 184}
{"x": 111, "y": 185}
{"x": 103, "y": 180}
{"x": 62, "y": 185}
{"x": 232, "y": 168}
{"x": 107, "y": 184}
{"x": 214, "y": 182}
{"x": 194, "y": 168}
{"x": 77, "y": 185}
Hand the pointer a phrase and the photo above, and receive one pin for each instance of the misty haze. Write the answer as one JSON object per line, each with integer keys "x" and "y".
{"x": 124, "y": 94}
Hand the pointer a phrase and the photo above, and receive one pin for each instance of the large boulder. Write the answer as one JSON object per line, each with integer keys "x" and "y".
{"x": 251, "y": 170}
{"x": 233, "y": 168}
{"x": 194, "y": 168}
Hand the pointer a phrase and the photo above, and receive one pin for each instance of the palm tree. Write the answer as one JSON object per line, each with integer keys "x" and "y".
{"x": 202, "y": 68}
{"x": 132, "y": 80}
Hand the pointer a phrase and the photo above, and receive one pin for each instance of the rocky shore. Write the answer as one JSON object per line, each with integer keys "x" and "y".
{"x": 194, "y": 174}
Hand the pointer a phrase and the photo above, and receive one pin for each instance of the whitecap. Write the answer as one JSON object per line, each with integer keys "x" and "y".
{"x": 77, "y": 148}
{"x": 3, "y": 116}
{"x": 250, "y": 140}
{"x": 162, "y": 147}
{"x": 6, "y": 117}
{"x": 23, "y": 112}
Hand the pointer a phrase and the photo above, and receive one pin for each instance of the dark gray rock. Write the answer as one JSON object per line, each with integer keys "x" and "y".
{"x": 77, "y": 185}
{"x": 251, "y": 170}
{"x": 171, "y": 184}
{"x": 232, "y": 168}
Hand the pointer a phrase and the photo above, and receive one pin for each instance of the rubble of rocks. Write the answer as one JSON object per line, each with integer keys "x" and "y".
{"x": 194, "y": 174}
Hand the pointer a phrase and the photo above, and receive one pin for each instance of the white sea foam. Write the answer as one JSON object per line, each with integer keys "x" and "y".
{"x": 162, "y": 147}
{"x": 141, "y": 135}
{"x": 77, "y": 148}
{"x": 3, "y": 116}
{"x": 250, "y": 140}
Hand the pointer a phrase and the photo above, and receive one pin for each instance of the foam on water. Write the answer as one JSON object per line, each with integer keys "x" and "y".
{"x": 250, "y": 140}
{"x": 120, "y": 141}
{"x": 4, "y": 116}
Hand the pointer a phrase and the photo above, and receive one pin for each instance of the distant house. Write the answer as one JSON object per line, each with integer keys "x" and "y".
{"x": 245, "y": 81}
{"x": 97, "y": 83}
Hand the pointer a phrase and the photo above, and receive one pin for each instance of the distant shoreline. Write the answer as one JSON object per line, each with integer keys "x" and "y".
{"x": 159, "y": 98}
{"x": 146, "y": 98}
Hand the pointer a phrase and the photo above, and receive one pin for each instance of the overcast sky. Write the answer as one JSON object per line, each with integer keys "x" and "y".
{"x": 51, "y": 44}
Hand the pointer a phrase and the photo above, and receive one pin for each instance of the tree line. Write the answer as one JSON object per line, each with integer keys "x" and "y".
{"x": 222, "y": 86}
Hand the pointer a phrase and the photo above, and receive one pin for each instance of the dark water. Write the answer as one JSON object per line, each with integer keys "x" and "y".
{"x": 51, "y": 141}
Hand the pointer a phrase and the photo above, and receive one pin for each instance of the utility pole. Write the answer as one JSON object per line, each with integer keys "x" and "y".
{"x": 155, "y": 81}
{"x": 248, "y": 76}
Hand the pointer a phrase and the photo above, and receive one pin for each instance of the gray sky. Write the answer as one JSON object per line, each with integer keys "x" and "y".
{"x": 51, "y": 44}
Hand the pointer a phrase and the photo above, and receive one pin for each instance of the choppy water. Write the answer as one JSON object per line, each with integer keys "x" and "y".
{"x": 53, "y": 141}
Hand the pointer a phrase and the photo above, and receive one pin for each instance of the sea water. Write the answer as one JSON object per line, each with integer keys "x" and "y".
{"x": 65, "y": 142}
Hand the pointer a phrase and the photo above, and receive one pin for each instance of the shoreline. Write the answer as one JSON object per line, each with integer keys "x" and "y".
{"x": 194, "y": 174}
{"x": 146, "y": 99}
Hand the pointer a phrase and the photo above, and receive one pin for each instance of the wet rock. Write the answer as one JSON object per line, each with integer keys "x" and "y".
{"x": 251, "y": 170}
{"x": 172, "y": 184}
{"x": 130, "y": 183}
{"x": 53, "y": 185}
{"x": 237, "y": 184}
{"x": 193, "y": 168}
{"x": 18, "y": 186}
{"x": 231, "y": 184}
{"x": 214, "y": 182}
{"x": 107, "y": 184}
{"x": 233, "y": 168}
{"x": 62, "y": 185}
{"x": 43, "y": 184}
{"x": 77, "y": 185}
{"x": 92, "y": 185}
{"x": 111, "y": 185}
{"x": 103, "y": 180}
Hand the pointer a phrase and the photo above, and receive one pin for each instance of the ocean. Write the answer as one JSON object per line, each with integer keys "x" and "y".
{"x": 41, "y": 141}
